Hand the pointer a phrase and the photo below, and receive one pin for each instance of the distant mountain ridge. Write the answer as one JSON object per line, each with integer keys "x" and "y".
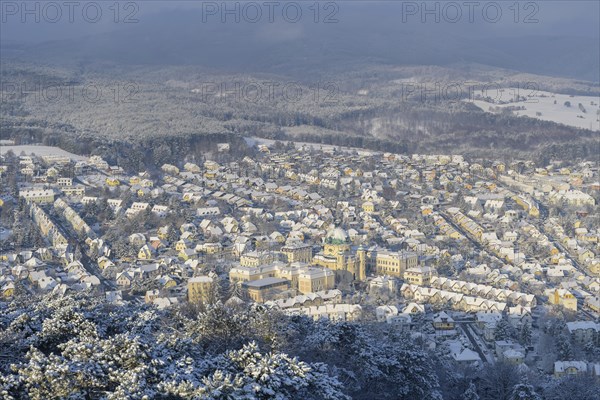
{"x": 180, "y": 38}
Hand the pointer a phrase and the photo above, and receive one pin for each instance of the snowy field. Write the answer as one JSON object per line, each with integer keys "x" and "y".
{"x": 546, "y": 106}
{"x": 253, "y": 140}
{"x": 41, "y": 151}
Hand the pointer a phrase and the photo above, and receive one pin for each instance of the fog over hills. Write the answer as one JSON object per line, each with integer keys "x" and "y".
{"x": 361, "y": 32}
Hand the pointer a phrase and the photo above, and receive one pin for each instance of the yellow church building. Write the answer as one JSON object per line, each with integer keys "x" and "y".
{"x": 338, "y": 256}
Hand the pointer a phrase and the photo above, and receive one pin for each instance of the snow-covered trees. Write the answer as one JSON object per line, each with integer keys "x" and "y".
{"x": 497, "y": 381}
{"x": 77, "y": 348}
{"x": 524, "y": 391}
{"x": 119, "y": 367}
{"x": 503, "y": 331}
{"x": 248, "y": 373}
{"x": 373, "y": 365}
{"x": 470, "y": 393}
{"x": 525, "y": 334}
{"x": 573, "y": 388}
{"x": 563, "y": 347}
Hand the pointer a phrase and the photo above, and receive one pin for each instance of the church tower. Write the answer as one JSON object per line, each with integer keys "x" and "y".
{"x": 361, "y": 252}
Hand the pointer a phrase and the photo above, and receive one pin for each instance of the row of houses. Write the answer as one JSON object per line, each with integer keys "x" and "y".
{"x": 78, "y": 224}
{"x": 485, "y": 291}
{"x": 457, "y": 301}
{"x": 333, "y": 312}
{"x": 48, "y": 228}
{"x": 308, "y": 299}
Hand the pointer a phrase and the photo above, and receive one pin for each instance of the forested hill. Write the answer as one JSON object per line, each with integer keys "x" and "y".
{"x": 138, "y": 117}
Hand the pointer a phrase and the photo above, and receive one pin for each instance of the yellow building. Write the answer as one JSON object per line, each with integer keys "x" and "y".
{"x": 211, "y": 165}
{"x": 368, "y": 207}
{"x": 112, "y": 181}
{"x": 527, "y": 205}
{"x": 183, "y": 245}
{"x": 256, "y": 258}
{"x": 145, "y": 253}
{"x": 337, "y": 256}
{"x": 163, "y": 232}
{"x": 299, "y": 275}
{"x": 352, "y": 264}
{"x": 429, "y": 175}
{"x": 312, "y": 280}
{"x": 564, "y": 298}
{"x": 418, "y": 276}
{"x": 246, "y": 273}
{"x": 562, "y": 368}
{"x": 8, "y": 290}
{"x": 212, "y": 248}
{"x": 297, "y": 252}
{"x": 426, "y": 210}
{"x": 262, "y": 290}
{"x": 200, "y": 289}
{"x": 443, "y": 321}
{"x": 391, "y": 262}
{"x": 104, "y": 262}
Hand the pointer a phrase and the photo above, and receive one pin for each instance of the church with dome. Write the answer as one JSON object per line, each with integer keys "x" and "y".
{"x": 353, "y": 262}
{"x": 348, "y": 262}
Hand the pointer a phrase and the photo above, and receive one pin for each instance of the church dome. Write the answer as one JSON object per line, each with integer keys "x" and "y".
{"x": 337, "y": 236}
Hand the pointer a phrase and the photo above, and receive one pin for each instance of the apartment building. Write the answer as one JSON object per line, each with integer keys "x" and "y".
{"x": 200, "y": 288}
{"x": 297, "y": 252}
{"x": 265, "y": 289}
{"x": 39, "y": 196}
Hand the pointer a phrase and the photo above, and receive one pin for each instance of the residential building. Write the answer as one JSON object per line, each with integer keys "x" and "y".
{"x": 39, "y": 196}
{"x": 297, "y": 252}
{"x": 583, "y": 331}
{"x": 562, "y": 368}
{"x": 443, "y": 321}
{"x": 418, "y": 276}
{"x": 265, "y": 289}
{"x": 200, "y": 289}
{"x": 315, "y": 280}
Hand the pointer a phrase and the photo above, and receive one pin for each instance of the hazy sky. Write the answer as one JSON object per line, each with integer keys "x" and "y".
{"x": 572, "y": 18}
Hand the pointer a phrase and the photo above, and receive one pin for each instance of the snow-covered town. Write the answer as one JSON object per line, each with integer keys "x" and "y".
{"x": 300, "y": 200}
{"x": 477, "y": 262}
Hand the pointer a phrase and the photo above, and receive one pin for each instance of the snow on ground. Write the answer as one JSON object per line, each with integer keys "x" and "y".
{"x": 4, "y": 233}
{"x": 252, "y": 141}
{"x": 41, "y": 151}
{"x": 551, "y": 106}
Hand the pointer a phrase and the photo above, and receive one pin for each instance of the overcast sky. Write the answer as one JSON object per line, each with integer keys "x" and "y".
{"x": 568, "y": 18}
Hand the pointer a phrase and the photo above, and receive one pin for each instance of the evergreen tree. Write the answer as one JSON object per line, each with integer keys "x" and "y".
{"x": 497, "y": 381}
{"x": 503, "y": 330}
{"x": 563, "y": 347}
{"x": 524, "y": 391}
{"x": 235, "y": 290}
{"x": 525, "y": 334}
{"x": 470, "y": 393}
